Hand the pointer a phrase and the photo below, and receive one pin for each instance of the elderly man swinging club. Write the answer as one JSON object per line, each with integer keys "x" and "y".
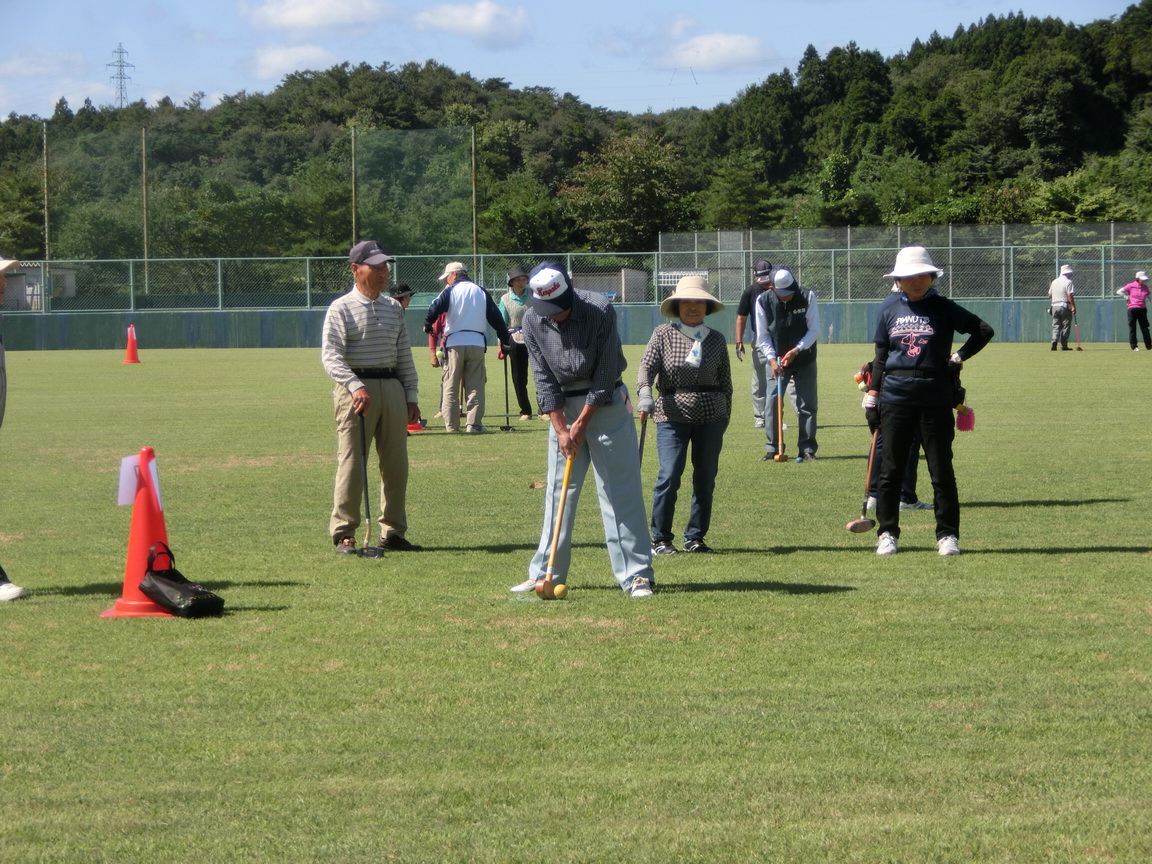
{"x": 577, "y": 362}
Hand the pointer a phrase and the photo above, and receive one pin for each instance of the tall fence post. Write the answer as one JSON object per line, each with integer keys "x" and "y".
{"x": 308, "y": 282}
{"x": 132, "y": 286}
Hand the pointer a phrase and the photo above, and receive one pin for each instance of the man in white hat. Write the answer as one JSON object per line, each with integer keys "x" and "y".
{"x": 1060, "y": 292}
{"x": 8, "y": 591}
{"x": 1137, "y": 293}
{"x": 466, "y": 307}
{"x": 577, "y": 363}
{"x": 787, "y": 326}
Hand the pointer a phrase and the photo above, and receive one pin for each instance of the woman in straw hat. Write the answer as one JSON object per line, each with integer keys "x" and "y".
{"x": 914, "y": 381}
{"x": 688, "y": 363}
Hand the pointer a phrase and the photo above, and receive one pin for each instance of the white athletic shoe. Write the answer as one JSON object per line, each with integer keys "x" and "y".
{"x": 886, "y": 545}
{"x": 948, "y": 546}
{"x": 525, "y": 587}
{"x": 641, "y": 587}
{"x": 916, "y": 505}
{"x": 870, "y": 503}
{"x": 8, "y": 591}
{"x": 758, "y": 424}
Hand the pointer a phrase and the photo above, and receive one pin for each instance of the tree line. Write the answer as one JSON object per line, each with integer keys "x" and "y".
{"x": 1013, "y": 119}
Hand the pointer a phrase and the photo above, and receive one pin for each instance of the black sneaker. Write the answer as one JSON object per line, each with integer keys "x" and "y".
{"x": 664, "y": 547}
{"x": 697, "y": 546}
{"x": 347, "y": 546}
{"x": 396, "y": 543}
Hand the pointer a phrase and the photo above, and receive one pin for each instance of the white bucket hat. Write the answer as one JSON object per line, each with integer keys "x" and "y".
{"x": 1141, "y": 276}
{"x": 913, "y": 261}
{"x": 7, "y": 264}
{"x": 689, "y": 288}
{"x": 1066, "y": 270}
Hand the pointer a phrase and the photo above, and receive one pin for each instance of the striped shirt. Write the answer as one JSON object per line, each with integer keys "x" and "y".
{"x": 361, "y": 333}
{"x": 583, "y": 351}
{"x": 663, "y": 366}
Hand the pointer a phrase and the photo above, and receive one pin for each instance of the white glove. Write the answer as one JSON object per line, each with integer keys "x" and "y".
{"x": 869, "y": 401}
{"x": 644, "y": 403}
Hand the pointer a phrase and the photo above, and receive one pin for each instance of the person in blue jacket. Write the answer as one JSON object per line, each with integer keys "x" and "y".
{"x": 915, "y": 377}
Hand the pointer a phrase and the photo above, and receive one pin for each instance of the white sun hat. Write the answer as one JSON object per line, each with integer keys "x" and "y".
{"x": 913, "y": 261}
{"x": 690, "y": 288}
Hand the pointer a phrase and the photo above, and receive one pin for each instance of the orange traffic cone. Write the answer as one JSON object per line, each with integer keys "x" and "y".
{"x": 147, "y": 528}
{"x": 131, "y": 355}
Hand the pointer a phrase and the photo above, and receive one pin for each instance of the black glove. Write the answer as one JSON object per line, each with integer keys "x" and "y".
{"x": 428, "y": 329}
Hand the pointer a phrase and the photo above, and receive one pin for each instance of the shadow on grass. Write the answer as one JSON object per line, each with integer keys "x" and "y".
{"x": 665, "y": 587}
{"x": 1067, "y": 502}
{"x": 113, "y": 589}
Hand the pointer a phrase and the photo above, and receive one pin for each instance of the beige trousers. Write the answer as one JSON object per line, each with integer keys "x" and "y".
{"x": 465, "y": 365}
{"x": 386, "y": 423}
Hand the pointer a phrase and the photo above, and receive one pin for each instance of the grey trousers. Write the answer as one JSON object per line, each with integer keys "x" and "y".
{"x": 610, "y": 448}
{"x": 805, "y": 404}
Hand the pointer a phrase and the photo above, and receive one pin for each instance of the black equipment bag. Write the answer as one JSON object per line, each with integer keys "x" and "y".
{"x": 170, "y": 589}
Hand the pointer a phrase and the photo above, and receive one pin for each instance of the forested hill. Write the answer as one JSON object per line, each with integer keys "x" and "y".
{"x": 1013, "y": 119}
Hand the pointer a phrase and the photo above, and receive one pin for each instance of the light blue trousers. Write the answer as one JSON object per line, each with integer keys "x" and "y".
{"x": 610, "y": 447}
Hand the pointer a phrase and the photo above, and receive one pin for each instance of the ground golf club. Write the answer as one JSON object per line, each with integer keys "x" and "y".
{"x": 781, "y": 385}
{"x": 507, "y": 427}
{"x": 544, "y": 586}
{"x": 863, "y": 524}
{"x": 366, "y": 551}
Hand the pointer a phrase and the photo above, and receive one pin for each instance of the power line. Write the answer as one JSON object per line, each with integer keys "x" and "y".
{"x": 121, "y": 78}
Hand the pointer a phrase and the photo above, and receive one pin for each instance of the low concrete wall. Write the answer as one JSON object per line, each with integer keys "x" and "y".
{"x": 849, "y": 322}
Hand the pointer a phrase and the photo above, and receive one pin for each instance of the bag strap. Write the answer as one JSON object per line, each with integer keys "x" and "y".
{"x": 154, "y": 553}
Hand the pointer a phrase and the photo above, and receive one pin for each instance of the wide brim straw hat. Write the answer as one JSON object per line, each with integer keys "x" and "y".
{"x": 913, "y": 261}
{"x": 689, "y": 288}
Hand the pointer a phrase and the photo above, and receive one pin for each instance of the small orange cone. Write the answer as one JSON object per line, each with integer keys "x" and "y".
{"x": 147, "y": 528}
{"x": 131, "y": 355}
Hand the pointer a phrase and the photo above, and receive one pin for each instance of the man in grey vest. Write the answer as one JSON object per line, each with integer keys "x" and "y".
{"x": 787, "y": 326}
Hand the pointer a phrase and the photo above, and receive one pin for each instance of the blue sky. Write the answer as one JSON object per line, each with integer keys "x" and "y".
{"x": 628, "y": 55}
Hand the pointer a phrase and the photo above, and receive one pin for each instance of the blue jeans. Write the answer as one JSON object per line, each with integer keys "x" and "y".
{"x": 672, "y": 441}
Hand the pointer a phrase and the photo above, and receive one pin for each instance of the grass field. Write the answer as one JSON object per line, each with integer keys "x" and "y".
{"x": 793, "y": 698}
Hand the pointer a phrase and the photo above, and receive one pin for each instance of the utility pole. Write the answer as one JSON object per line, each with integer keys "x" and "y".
{"x": 121, "y": 78}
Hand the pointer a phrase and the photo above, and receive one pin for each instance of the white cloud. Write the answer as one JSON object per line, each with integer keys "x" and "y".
{"x": 315, "y": 14}
{"x": 715, "y": 51}
{"x": 44, "y": 64}
{"x": 678, "y": 25}
{"x": 276, "y": 61}
{"x": 484, "y": 22}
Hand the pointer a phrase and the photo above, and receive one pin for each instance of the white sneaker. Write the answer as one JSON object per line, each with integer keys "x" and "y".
{"x": 886, "y": 545}
{"x": 758, "y": 424}
{"x": 641, "y": 587}
{"x": 870, "y": 503}
{"x": 916, "y": 505}
{"x": 948, "y": 546}
{"x": 525, "y": 587}
{"x": 8, "y": 591}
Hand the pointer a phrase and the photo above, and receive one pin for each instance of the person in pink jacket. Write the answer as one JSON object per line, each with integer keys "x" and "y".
{"x": 1137, "y": 294}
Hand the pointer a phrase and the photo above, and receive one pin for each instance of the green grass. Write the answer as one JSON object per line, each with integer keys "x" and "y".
{"x": 791, "y": 699}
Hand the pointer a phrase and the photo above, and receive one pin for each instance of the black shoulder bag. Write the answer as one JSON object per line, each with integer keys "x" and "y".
{"x": 169, "y": 588}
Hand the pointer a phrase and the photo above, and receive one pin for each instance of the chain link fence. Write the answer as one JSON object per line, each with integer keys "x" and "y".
{"x": 985, "y": 262}
{"x": 980, "y": 263}
{"x": 287, "y": 283}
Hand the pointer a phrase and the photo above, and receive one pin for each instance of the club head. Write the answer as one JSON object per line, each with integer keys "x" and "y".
{"x": 370, "y": 552}
{"x": 544, "y": 589}
{"x": 779, "y": 457}
{"x": 861, "y": 525}
{"x": 507, "y": 428}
